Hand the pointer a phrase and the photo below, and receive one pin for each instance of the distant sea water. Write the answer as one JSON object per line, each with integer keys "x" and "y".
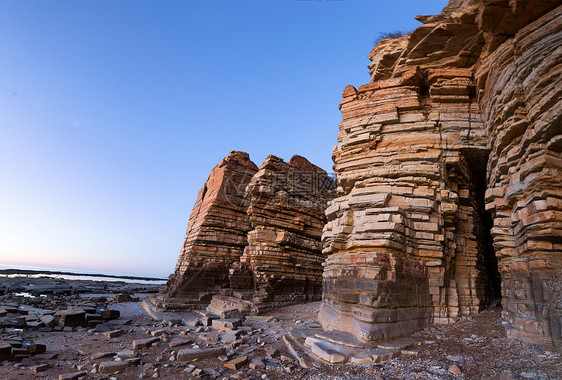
{"x": 71, "y": 274}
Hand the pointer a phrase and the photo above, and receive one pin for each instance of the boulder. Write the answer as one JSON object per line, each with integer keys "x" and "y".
{"x": 70, "y": 317}
{"x": 110, "y": 314}
{"x": 36, "y": 348}
{"x": 447, "y": 168}
{"x": 143, "y": 343}
{"x": 237, "y": 363}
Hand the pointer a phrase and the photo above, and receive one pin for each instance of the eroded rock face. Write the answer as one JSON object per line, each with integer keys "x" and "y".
{"x": 216, "y": 232}
{"x": 520, "y": 86}
{"x": 287, "y": 213}
{"x": 461, "y": 116}
{"x": 253, "y": 234}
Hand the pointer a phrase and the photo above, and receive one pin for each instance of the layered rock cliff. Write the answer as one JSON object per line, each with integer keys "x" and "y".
{"x": 216, "y": 234}
{"x": 253, "y": 234}
{"x": 287, "y": 214}
{"x": 457, "y": 135}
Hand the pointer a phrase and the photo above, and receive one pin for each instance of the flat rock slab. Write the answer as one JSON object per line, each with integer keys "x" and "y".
{"x": 89, "y": 309}
{"x": 210, "y": 337}
{"x": 127, "y": 354}
{"x": 154, "y": 312}
{"x": 230, "y": 337}
{"x": 48, "y": 320}
{"x": 302, "y": 332}
{"x": 345, "y": 338}
{"x": 39, "y": 368}
{"x": 142, "y": 343}
{"x": 399, "y": 344}
{"x": 260, "y": 318}
{"x": 46, "y": 356}
{"x": 107, "y": 368}
{"x": 188, "y": 354}
{"x": 179, "y": 342}
{"x": 230, "y": 307}
{"x": 27, "y": 363}
{"x": 325, "y": 351}
{"x": 296, "y": 347}
{"x": 11, "y": 308}
{"x": 192, "y": 323}
{"x": 70, "y": 317}
{"x": 236, "y": 363}
{"x": 362, "y": 357}
{"x": 158, "y": 332}
{"x": 337, "y": 353}
{"x": 101, "y": 355}
{"x": 411, "y": 351}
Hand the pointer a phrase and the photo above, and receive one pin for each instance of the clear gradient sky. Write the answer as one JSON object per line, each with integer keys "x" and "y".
{"x": 101, "y": 156}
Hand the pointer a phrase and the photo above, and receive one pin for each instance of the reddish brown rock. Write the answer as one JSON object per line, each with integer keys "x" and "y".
{"x": 110, "y": 314}
{"x": 461, "y": 117}
{"x": 188, "y": 354}
{"x": 283, "y": 259}
{"x": 254, "y": 235}
{"x": 70, "y": 317}
{"x": 109, "y": 367}
{"x": 236, "y": 363}
{"x": 455, "y": 370}
{"x": 36, "y": 348}
{"x": 519, "y": 88}
{"x": 143, "y": 343}
{"x": 216, "y": 235}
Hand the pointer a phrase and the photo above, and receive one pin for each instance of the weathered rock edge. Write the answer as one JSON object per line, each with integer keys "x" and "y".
{"x": 462, "y": 116}
{"x": 254, "y": 237}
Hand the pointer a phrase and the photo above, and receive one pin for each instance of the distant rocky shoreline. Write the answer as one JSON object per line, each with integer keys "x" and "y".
{"x": 28, "y": 272}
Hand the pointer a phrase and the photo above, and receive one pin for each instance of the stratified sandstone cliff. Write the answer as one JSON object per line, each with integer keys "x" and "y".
{"x": 253, "y": 235}
{"x": 216, "y": 234}
{"x": 519, "y": 88}
{"x": 461, "y": 116}
{"x": 287, "y": 214}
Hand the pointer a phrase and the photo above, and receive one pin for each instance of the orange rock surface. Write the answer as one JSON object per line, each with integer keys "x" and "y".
{"x": 215, "y": 236}
{"x": 448, "y": 168}
{"x": 253, "y": 234}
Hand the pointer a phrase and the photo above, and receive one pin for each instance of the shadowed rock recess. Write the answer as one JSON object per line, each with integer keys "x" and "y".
{"x": 448, "y": 172}
{"x": 253, "y": 238}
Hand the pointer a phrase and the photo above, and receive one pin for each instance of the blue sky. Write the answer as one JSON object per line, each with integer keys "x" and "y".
{"x": 101, "y": 156}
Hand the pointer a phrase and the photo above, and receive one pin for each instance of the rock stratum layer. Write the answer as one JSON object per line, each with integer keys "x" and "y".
{"x": 254, "y": 234}
{"x": 287, "y": 214}
{"x": 459, "y": 133}
{"x": 216, "y": 233}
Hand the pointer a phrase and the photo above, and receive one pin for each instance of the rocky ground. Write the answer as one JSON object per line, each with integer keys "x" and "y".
{"x": 40, "y": 338}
